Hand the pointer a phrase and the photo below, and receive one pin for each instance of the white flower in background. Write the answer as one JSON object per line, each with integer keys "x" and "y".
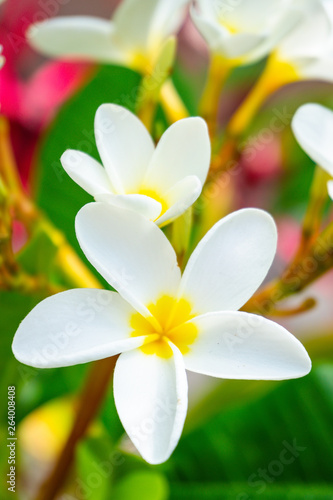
{"x": 313, "y": 128}
{"x": 159, "y": 183}
{"x": 134, "y": 37}
{"x": 308, "y": 48}
{"x": 244, "y": 31}
{"x": 161, "y": 322}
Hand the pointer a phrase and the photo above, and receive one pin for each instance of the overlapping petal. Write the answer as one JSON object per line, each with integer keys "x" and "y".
{"x": 245, "y": 32}
{"x": 238, "y": 345}
{"x": 141, "y": 24}
{"x": 180, "y": 197}
{"x": 124, "y": 145}
{"x": 139, "y": 203}
{"x": 130, "y": 252}
{"x": 86, "y": 172}
{"x": 230, "y": 262}
{"x": 183, "y": 150}
{"x": 151, "y": 399}
{"x": 310, "y": 36}
{"x": 313, "y": 128}
{"x": 75, "y": 327}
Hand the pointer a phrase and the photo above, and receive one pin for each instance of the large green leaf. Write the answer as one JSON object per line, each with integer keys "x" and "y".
{"x": 244, "y": 492}
{"x": 262, "y": 434}
{"x": 143, "y": 485}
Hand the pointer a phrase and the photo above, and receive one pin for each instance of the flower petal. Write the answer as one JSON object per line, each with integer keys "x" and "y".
{"x": 130, "y": 252}
{"x": 75, "y": 327}
{"x": 80, "y": 37}
{"x": 239, "y": 345}
{"x": 313, "y": 128}
{"x": 310, "y": 38}
{"x": 151, "y": 398}
{"x": 246, "y": 32}
{"x": 318, "y": 69}
{"x": 124, "y": 145}
{"x": 86, "y": 172}
{"x": 218, "y": 38}
{"x": 144, "y": 205}
{"x": 180, "y": 197}
{"x": 183, "y": 150}
{"x": 139, "y": 24}
{"x": 230, "y": 262}
{"x": 330, "y": 189}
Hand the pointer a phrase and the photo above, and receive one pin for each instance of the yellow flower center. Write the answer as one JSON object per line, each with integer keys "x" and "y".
{"x": 156, "y": 196}
{"x": 170, "y": 323}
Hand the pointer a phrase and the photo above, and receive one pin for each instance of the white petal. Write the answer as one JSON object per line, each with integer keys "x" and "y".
{"x": 139, "y": 203}
{"x": 257, "y": 26}
{"x": 313, "y": 128}
{"x": 169, "y": 16}
{"x": 183, "y": 150}
{"x": 151, "y": 399}
{"x": 317, "y": 68}
{"x": 124, "y": 145}
{"x": 310, "y": 38}
{"x": 237, "y": 345}
{"x": 75, "y": 327}
{"x": 230, "y": 46}
{"x": 80, "y": 37}
{"x": 130, "y": 252}
{"x": 180, "y": 197}
{"x": 86, "y": 172}
{"x": 138, "y": 24}
{"x": 230, "y": 262}
{"x": 330, "y": 189}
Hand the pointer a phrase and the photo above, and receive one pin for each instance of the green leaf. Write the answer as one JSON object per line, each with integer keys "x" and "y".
{"x": 94, "y": 468}
{"x": 143, "y": 485}
{"x": 287, "y": 433}
{"x": 38, "y": 255}
{"x": 217, "y": 491}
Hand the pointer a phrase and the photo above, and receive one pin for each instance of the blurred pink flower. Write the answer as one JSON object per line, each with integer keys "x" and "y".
{"x": 31, "y": 92}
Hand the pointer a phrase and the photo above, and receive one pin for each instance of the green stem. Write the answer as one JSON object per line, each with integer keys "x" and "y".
{"x": 209, "y": 106}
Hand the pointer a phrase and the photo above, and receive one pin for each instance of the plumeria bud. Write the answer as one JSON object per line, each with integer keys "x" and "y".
{"x": 162, "y": 323}
{"x": 134, "y": 37}
{"x": 312, "y": 126}
{"x": 161, "y": 183}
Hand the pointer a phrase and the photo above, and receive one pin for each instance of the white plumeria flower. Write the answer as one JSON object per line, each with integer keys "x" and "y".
{"x": 308, "y": 48}
{"x": 245, "y": 31}
{"x": 160, "y": 183}
{"x": 313, "y": 128}
{"x": 134, "y": 37}
{"x": 161, "y": 322}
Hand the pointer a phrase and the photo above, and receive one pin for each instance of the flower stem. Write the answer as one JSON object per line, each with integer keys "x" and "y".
{"x": 90, "y": 402}
{"x": 299, "y": 274}
{"x": 172, "y": 103}
{"x": 17, "y": 201}
{"x": 314, "y": 212}
{"x": 218, "y": 73}
{"x": 276, "y": 74}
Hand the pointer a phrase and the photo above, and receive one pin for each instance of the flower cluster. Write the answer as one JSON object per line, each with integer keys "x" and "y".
{"x": 159, "y": 320}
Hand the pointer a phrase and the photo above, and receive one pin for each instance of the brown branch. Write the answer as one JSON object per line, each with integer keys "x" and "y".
{"x": 89, "y": 405}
